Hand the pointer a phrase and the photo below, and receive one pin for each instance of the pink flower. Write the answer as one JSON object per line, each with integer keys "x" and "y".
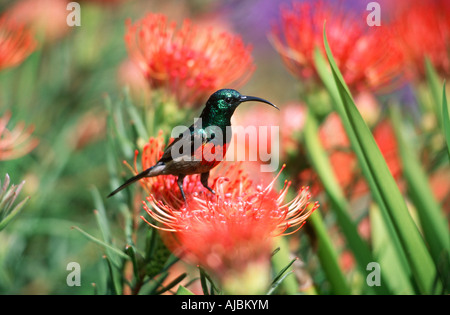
{"x": 15, "y": 142}
{"x": 45, "y": 17}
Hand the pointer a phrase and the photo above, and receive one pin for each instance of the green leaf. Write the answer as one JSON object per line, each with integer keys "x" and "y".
{"x": 136, "y": 117}
{"x": 114, "y": 281}
{"x": 431, "y": 216}
{"x": 117, "y": 126}
{"x": 275, "y": 284}
{"x": 321, "y": 164}
{"x": 282, "y": 271}
{"x": 328, "y": 256}
{"x": 172, "y": 259}
{"x": 390, "y": 264}
{"x": 173, "y": 283}
{"x": 446, "y": 119}
{"x": 102, "y": 220}
{"x": 434, "y": 86}
{"x": 184, "y": 291}
{"x": 413, "y": 245}
{"x": 152, "y": 286}
{"x": 280, "y": 258}
{"x": 131, "y": 252}
{"x": 101, "y": 243}
{"x": 326, "y": 76}
{"x": 204, "y": 280}
{"x": 13, "y": 213}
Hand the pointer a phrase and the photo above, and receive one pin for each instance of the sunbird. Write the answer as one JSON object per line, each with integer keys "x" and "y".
{"x": 203, "y": 145}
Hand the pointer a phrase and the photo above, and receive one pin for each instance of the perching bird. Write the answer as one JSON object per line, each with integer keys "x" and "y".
{"x": 201, "y": 147}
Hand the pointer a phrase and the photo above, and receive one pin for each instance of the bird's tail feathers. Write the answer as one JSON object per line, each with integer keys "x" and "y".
{"x": 150, "y": 172}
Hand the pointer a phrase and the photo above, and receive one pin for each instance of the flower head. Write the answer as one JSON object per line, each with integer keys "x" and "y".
{"x": 423, "y": 30}
{"x": 16, "y": 142}
{"x": 16, "y": 43}
{"x": 239, "y": 222}
{"x": 189, "y": 62}
{"x": 45, "y": 17}
{"x": 367, "y": 56}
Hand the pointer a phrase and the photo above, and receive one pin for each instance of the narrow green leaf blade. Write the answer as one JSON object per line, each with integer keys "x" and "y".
{"x": 132, "y": 254}
{"x": 135, "y": 116}
{"x": 173, "y": 283}
{"x": 184, "y": 291}
{"x": 321, "y": 164}
{"x": 446, "y": 119}
{"x": 100, "y": 215}
{"x": 434, "y": 87}
{"x": 328, "y": 256}
{"x": 203, "y": 281}
{"x": 114, "y": 282}
{"x": 327, "y": 78}
{"x": 101, "y": 243}
{"x": 418, "y": 256}
{"x": 280, "y": 280}
{"x": 282, "y": 271}
{"x": 282, "y": 257}
{"x": 432, "y": 220}
{"x": 11, "y": 215}
{"x": 391, "y": 266}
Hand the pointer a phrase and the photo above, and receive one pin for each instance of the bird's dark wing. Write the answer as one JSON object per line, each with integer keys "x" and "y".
{"x": 185, "y": 145}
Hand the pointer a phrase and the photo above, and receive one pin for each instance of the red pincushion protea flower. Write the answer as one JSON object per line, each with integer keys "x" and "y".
{"x": 423, "y": 30}
{"x": 367, "y": 56}
{"x": 228, "y": 230}
{"x": 16, "y": 43}
{"x": 16, "y": 142}
{"x": 189, "y": 62}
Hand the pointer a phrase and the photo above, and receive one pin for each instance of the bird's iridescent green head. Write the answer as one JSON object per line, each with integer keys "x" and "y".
{"x": 222, "y": 104}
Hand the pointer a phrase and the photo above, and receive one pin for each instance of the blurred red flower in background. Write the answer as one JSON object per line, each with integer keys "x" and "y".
{"x": 368, "y": 57}
{"x": 47, "y": 18}
{"x": 189, "y": 62}
{"x": 16, "y": 43}
{"x": 16, "y": 142}
{"x": 423, "y": 30}
{"x": 344, "y": 161}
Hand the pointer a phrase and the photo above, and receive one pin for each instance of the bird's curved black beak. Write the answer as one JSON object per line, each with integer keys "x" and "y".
{"x": 245, "y": 98}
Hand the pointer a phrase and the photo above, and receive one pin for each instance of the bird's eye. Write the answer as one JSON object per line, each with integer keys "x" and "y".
{"x": 228, "y": 100}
